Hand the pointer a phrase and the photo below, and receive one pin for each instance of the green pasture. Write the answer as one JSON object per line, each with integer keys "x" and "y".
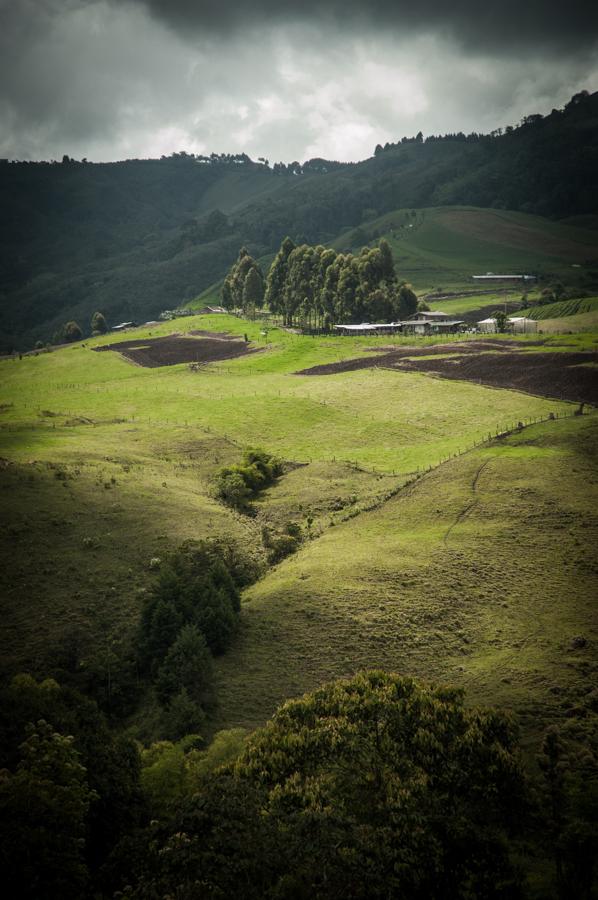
{"x": 54, "y": 404}
{"x": 584, "y": 322}
{"x": 479, "y": 574}
{"x": 457, "y": 306}
{"x": 106, "y": 466}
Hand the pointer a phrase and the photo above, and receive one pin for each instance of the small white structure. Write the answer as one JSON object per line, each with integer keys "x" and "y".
{"x": 515, "y": 325}
{"x": 522, "y": 325}
{"x": 491, "y": 277}
{"x": 487, "y": 325}
{"x": 209, "y": 310}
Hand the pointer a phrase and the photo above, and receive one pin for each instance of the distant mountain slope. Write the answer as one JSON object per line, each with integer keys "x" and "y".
{"x": 134, "y": 237}
{"x": 445, "y": 246}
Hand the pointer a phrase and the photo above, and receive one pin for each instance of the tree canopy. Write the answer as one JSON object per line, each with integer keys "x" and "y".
{"x": 377, "y": 787}
{"x": 319, "y": 287}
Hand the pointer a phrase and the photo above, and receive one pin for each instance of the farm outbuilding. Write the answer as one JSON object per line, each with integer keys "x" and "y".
{"x": 370, "y": 328}
{"x": 490, "y": 278}
{"x": 430, "y": 322}
{"x": 522, "y": 325}
{"x": 515, "y": 325}
{"x": 487, "y": 325}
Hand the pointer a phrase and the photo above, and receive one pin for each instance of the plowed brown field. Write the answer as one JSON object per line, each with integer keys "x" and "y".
{"x": 562, "y": 375}
{"x": 175, "y": 349}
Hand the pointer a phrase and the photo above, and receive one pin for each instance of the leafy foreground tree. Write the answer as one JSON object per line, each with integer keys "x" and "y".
{"x": 69, "y": 790}
{"x": 376, "y": 787}
{"x": 44, "y": 806}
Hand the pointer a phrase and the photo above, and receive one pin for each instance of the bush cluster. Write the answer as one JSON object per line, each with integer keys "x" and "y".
{"x": 278, "y": 546}
{"x": 236, "y": 485}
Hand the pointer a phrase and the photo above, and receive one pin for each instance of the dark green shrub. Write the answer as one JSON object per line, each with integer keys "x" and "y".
{"x": 188, "y": 665}
{"x": 232, "y": 489}
{"x": 198, "y": 585}
{"x": 237, "y": 484}
{"x": 280, "y": 547}
{"x": 72, "y": 332}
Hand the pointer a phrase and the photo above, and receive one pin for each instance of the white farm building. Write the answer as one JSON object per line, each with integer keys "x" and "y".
{"x": 515, "y": 325}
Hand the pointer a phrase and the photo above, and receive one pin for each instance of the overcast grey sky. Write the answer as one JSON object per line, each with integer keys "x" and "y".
{"x": 114, "y": 79}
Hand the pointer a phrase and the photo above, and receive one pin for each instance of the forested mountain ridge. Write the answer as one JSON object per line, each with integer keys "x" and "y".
{"x": 131, "y": 238}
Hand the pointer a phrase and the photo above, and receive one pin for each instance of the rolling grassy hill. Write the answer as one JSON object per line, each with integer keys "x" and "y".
{"x": 584, "y": 322}
{"x": 107, "y": 465}
{"x": 480, "y": 574}
{"x": 458, "y": 575}
{"x": 564, "y": 309}
{"x": 441, "y": 248}
{"x": 438, "y": 250}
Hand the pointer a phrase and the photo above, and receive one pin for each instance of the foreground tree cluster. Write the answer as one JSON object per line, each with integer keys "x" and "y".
{"x": 318, "y": 287}
{"x": 375, "y": 788}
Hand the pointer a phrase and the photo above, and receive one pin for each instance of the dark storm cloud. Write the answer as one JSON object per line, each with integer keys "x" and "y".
{"x": 110, "y": 79}
{"x": 480, "y": 23}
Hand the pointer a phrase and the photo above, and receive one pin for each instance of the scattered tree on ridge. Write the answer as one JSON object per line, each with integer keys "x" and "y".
{"x": 98, "y": 324}
{"x": 71, "y": 332}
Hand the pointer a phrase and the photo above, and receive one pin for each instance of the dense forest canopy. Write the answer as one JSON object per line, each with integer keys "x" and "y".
{"x": 135, "y": 237}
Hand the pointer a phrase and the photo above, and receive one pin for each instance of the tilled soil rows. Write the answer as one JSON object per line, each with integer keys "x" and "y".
{"x": 174, "y": 349}
{"x": 562, "y": 376}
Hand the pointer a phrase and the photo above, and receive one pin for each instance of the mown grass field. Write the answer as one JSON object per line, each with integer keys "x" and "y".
{"x": 107, "y": 465}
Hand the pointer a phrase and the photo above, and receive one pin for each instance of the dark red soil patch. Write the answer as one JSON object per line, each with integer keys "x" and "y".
{"x": 174, "y": 349}
{"x": 390, "y": 356}
{"x": 561, "y": 376}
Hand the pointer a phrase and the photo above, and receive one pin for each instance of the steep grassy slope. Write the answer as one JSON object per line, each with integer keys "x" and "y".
{"x": 481, "y": 574}
{"x": 107, "y": 465}
{"x": 563, "y": 309}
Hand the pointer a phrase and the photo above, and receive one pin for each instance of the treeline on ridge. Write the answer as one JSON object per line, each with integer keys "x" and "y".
{"x": 318, "y": 287}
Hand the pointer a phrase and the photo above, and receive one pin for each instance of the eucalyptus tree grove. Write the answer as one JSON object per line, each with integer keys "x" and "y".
{"x": 317, "y": 287}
